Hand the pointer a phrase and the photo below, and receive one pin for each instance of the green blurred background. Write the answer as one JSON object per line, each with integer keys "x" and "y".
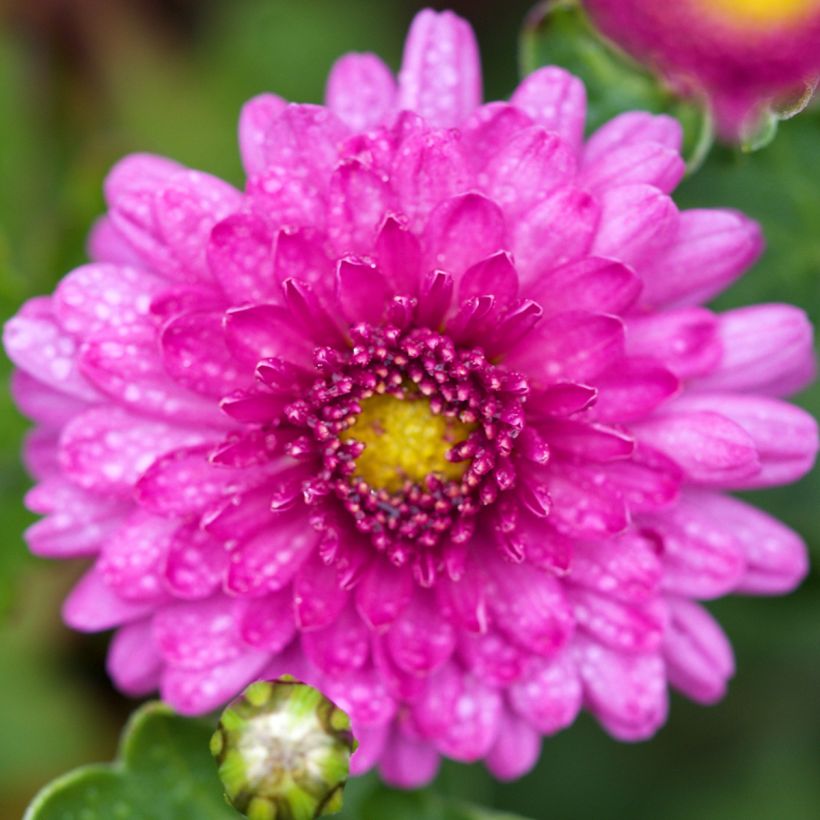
{"x": 83, "y": 82}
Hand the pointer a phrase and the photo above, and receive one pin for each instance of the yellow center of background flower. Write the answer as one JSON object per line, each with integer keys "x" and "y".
{"x": 760, "y": 13}
{"x": 404, "y": 440}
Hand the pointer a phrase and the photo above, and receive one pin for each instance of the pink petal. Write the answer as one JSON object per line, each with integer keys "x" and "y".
{"x": 559, "y": 230}
{"x": 96, "y": 297}
{"x": 198, "y": 634}
{"x": 627, "y": 693}
{"x": 593, "y": 283}
{"x": 195, "y": 562}
{"x": 107, "y": 245}
{"x": 488, "y": 129}
{"x": 570, "y": 346}
{"x": 643, "y": 163}
{"x": 369, "y": 752}
{"x": 636, "y": 222}
{"x": 633, "y": 389}
{"x": 267, "y": 623}
{"x": 240, "y": 251}
{"x": 530, "y": 608}
{"x": 317, "y": 597}
{"x": 491, "y": 658}
{"x": 711, "y": 249}
{"x": 340, "y": 647}
{"x": 362, "y": 291}
{"x": 41, "y": 403}
{"x": 555, "y": 100}
{"x": 585, "y": 505}
{"x": 496, "y": 275}
{"x": 197, "y": 691}
{"x": 648, "y": 481}
{"x": 766, "y": 349}
{"x": 785, "y": 436}
{"x": 588, "y": 441}
{"x": 461, "y": 232}
{"x": 708, "y": 446}
{"x": 516, "y": 748}
{"x": 419, "y": 640}
{"x": 257, "y": 116}
{"x": 699, "y": 660}
{"x": 133, "y": 557}
{"x": 382, "y": 594}
{"x": 363, "y": 695}
{"x": 39, "y": 346}
{"x": 398, "y": 255}
{"x": 776, "y": 557}
{"x": 263, "y": 331}
{"x": 133, "y": 662}
{"x": 529, "y": 167}
{"x": 196, "y": 356}
{"x": 440, "y": 75}
{"x": 407, "y": 763}
{"x": 632, "y": 129}
{"x": 686, "y": 341}
{"x": 465, "y": 601}
{"x": 549, "y": 696}
{"x": 93, "y": 607}
{"x": 360, "y": 90}
{"x": 106, "y": 449}
{"x": 268, "y": 560}
{"x": 303, "y": 254}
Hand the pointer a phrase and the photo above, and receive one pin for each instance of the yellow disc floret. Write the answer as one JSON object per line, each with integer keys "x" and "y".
{"x": 404, "y": 440}
{"x": 760, "y": 13}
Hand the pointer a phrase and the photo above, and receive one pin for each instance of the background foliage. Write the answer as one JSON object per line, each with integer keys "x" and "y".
{"x": 83, "y": 82}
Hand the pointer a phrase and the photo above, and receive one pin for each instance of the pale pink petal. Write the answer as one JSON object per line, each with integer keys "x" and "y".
{"x": 632, "y": 129}
{"x": 440, "y": 76}
{"x": 555, "y": 100}
{"x": 361, "y": 90}
{"x": 42, "y": 403}
{"x": 516, "y": 748}
{"x": 256, "y": 117}
{"x": 133, "y": 661}
{"x": 648, "y": 163}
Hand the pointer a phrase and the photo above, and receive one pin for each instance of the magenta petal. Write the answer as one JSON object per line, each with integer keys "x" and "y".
{"x": 263, "y": 331}
{"x": 317, "y": 597}
{"x": 340, "y": 647}
{"x": 549, "y": 695}
{"x": 784, "y": 436}
{"x": 593, "y": 442}
{"x": 698, "y": 655}
{"x": 585, "y": 504}
{"x": 527, "y": 168}
{"x": 197, "y": 691}
{"x": 96, "y": 297}
{"x": 133, "y": 662}
{"x": 106, "y": 244}
{"x": 240, "y": 253}
{"x": 369, "y": 751}
{"x": 198, "y": 634}
{"x": 636, "y": 222}
{"x": 559, "y": 230}
{"x": 267, "y": 623}
{"x": 570, "y": 346}
{"x": 133, "y": 557}
{"x": 93, "y": 607}
{"x": 633, "y": 389}
{"x": 256, "y": 118}
{"x": 496, "y": 275}
{"x": 360, "y": 90}
{"x": 42, "y": 403}
{"x": 461, "y": 232}
{"x": 382, "y": 593}
{"x": 195, "y": 562}
{"x": 492, "y": 658}
{"x": 766, "y": 349}
{"x": 106, "y": 449}
{"x": 440, "y": 75}
{"x": 362, "y": 291}
{"x": 359, "y": 198}
{"x": 516, "y": 749}
{"x": 398, "y": 255}
{"x": 594, "y": 283}
{"x": 303, "y": 254}
{"x": 627, "y": 693}
{"x": 362, "y": 694}
{"x": 489, "y": 128}
{"x": 407, "y": 763}
{"x": 648, "y": 163}
{"x": 465, "y": 600}
{"x": 711, "y": 249}
{"x": 685, "y": 340}
{"x": 529, "y": 607}
{"x": 419, "y": 640}
{"x": 555, "y": 100}
{"x": 268, "y": 560}
{"x": 632, "y": 129}
{"x": 648, "y": 481}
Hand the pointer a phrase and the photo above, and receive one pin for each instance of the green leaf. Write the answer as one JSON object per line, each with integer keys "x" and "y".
{"x": 164, "y": 771}
{"x": 558, "y": 32}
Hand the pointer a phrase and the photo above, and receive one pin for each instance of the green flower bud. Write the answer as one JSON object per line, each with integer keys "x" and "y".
{"x": 283, "y": 751}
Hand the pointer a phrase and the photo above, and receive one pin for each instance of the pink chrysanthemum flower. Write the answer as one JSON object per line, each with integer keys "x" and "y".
{"x": 745, "y": 54}
{"x": 427, "y": 416}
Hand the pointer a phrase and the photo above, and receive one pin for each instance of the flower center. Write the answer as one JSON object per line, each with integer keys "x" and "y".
{"x": 405, "y": 441}
{"x": 760, "y": 13}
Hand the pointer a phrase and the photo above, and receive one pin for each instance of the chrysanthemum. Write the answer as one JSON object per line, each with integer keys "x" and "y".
{"x": 744, "y": 54}
{"x": 427, "y": 416}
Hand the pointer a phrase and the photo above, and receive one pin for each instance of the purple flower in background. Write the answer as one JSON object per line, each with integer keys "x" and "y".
{"x": 428, "y": 416}
{"x": 744, "y": 54}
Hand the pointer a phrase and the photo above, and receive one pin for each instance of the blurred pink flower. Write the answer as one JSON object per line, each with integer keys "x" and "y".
{"x": 744, "y": 54}
{"x": 508, "y": 318}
